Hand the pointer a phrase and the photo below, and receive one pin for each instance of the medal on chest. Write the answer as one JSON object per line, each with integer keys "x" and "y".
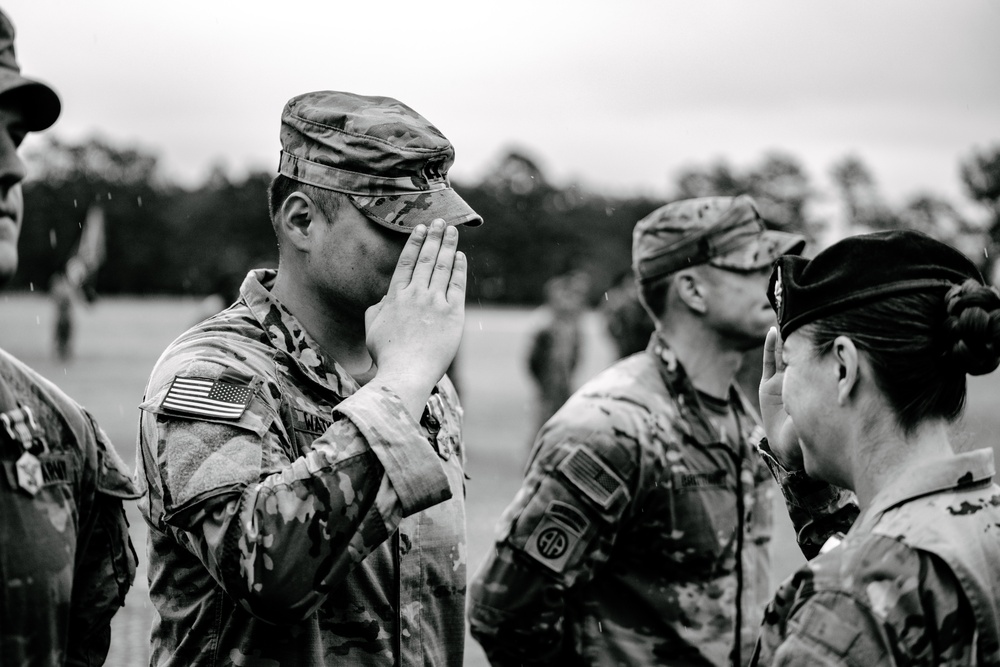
{"x": 21, "y": 427}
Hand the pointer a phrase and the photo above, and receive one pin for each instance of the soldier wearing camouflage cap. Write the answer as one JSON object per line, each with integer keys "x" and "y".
{"x": 862, "y": 378}
{"x": 641, "y": 533}
{"x": 65, "y": 558}
{"x": 302, "y": 451}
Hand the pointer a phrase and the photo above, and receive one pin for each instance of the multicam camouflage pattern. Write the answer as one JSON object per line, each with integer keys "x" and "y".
{"x": 391, "y": 159}
{"x": 723, "y": 231}
{"x": 640, "y": 535}
{"x": 914, "y": 582}
{"x": 65, "y": 558}
{"x": 324, "y": 526}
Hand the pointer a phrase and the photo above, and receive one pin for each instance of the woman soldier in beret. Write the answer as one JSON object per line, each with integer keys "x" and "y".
{"x": 877, "y": 334}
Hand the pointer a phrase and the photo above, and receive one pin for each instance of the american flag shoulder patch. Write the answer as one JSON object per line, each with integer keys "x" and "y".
{"x": 592, "y": 476}
{"x": 207, "y": 397}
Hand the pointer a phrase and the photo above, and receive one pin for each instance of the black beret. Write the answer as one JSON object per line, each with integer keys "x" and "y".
{"x": 861, "y": 269}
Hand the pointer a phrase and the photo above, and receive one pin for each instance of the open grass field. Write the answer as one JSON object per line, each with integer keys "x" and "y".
{"x": 118, "y": 341}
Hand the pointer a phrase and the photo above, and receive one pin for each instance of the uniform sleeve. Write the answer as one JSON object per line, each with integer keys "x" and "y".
{"x": 280, "y": 534}
{"x": 819, "y": 511}
{"x": 106, "y": 559}
{"x": 556, "y": 533}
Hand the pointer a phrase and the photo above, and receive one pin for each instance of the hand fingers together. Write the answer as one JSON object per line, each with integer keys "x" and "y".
{"x": 441, "y": 277}
{"x": 403, "y": 272}
{"x": 770, "y": 361}
{"x": 427, "y": 259}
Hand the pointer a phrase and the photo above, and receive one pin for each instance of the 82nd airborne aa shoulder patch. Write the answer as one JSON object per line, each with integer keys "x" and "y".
{"x": 556, "y": 535}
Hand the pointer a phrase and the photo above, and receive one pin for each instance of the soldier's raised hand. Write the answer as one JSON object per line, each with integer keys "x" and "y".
{"x": 780, "y": 430}
{"x": 414, "y": 332}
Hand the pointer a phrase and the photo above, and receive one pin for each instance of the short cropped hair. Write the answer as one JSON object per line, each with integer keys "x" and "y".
{"x": 282, "y": 186}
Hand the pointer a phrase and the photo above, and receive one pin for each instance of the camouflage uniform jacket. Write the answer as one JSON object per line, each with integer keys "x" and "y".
{"x": 914, "y": 582}
{"x": 640, "y": 535}
{"x": 299, "y": 520}
{"x": 65, "y": 558}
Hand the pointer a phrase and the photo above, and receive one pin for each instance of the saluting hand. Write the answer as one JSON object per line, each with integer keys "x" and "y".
{"x": 413, "y": 333}
{"x": 781, "y": 434}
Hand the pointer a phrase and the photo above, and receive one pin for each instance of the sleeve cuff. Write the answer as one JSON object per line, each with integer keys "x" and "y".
{"x": 799, "y": 489}
{"x": 396, "y": 439}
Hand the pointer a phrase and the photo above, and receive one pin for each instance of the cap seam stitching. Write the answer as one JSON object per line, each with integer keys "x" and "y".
{"x": 368, "y": 136}
{"x": 445, "y": 186}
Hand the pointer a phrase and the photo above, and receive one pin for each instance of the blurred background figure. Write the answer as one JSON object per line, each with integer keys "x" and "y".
{"x": 225, "y": 291}
{"x": 556, "y": 343}
{"x": 626, "y": 320}
{"x": 76, "y": 280}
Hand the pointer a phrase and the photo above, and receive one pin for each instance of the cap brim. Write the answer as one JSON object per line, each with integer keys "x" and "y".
{"x": 38, "y": 102}
{"x": 761, "y": 252}
{"x": 403, "y": 212}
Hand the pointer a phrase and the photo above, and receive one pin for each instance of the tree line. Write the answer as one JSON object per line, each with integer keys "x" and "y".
{"x": 165, "y": 239}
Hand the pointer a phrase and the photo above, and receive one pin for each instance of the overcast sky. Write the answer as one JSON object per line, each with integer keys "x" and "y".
{"x": 617, "y": 94}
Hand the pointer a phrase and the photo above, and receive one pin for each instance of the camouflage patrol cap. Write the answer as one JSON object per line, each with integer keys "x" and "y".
{"x": 39, "y": 103}
{"x": 727, "y": 232}
{"x": 389, "y": 159}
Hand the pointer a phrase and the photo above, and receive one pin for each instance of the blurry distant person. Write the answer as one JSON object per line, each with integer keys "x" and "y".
{"x": 302, "y": 450}
{"x": 627, "y": 322}
{"x": 641, "y": 533}
{"x": 62, "y": 294}
{"x": 225, "y": 292}
{"x": 75, "y": 282}
{"x": 555, "y": 344}
{"x": 880, "y": 331}
{"x": 65, "y": 558}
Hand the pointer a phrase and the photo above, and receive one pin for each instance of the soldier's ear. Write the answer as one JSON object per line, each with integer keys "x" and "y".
{"x": 295, "y": 220}
{"x": 848, "y": 367}
{"x": 690, "y": 289}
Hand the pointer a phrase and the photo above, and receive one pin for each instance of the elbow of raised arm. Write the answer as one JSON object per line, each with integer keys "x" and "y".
{"x": 288, "y": 590}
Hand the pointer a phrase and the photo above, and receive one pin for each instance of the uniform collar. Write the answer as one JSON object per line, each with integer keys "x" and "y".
{"x": 286, "y": 334}
{"x": 932, "y": 476}
{"x": 680, "y": 387}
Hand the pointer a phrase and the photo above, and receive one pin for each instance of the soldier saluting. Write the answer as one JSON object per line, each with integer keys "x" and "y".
{"x": 302, "y": 450}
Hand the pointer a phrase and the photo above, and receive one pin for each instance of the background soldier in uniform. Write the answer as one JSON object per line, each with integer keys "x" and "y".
{"x": 303, "y": 457}
{"x": 555, "y": 344}
{"x": 65, "y": 559}
{"x": 879, "y": 333}
{"x": 641, "y": 533}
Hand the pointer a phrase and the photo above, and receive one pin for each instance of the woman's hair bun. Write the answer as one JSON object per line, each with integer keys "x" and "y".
{"x": 972, "y": 327}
